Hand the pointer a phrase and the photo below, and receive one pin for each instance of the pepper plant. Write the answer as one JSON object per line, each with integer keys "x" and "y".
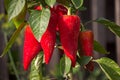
{"x": 50, "y": 24}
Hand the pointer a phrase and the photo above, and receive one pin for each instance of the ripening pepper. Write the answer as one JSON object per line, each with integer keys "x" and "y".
{"x": 31, "y": 47}
{"x": 49, "y": 37}
{"x": 85, "y": 41}
{"x": 69, "y": 26}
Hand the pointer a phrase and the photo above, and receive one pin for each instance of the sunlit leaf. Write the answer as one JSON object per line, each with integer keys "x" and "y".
{"x": 112, "y": 26}
{"x": 50, "y": 2}
{"x": 20, "y": 18}
{"x": 109, "y": 67}
{"x": 39, "y": 21}
{"x": 15, "y": 7}
{"x": 67, "y": 64}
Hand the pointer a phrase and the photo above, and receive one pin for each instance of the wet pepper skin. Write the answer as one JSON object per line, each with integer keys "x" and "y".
{"x": 49, "y": 37}
{"x": 31, "y": 47}
{"x": 69, "y": 26}
{"x": 86, "y": 40}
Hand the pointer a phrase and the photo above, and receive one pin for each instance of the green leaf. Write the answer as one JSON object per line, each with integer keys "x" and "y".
{"x": 39, "y": 21}
{"x": 12, "y": 39}
{"x": 62, "y": 65}
{"x": 82, "y": 8}
{"x": 83, "y": 60}
{"x": 64, "y": 2}
{"x": 36, "y": 67}
{"x": 112, "y": 26}
{"x": 59, "y": 69}
{"x": 20, "y": 18}
{"x": 76, "y": 69}
{"x": 50, "y": 2}
{"x": 99, "y": 48}
{"x": 6, "y": 2}
{"x": 15, "y": 7}
{"x": 67, "y": 65}
{"x": 77, "y": 3}
{"x": 109, "y": 67}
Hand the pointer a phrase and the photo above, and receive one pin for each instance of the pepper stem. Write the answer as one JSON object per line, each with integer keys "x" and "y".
{"x": 69, "y": 11}
{"x": 82, "y": 27}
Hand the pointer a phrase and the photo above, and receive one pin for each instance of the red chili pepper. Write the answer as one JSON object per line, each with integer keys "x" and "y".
{"x": 69, "y": 26}
{"x": 31, "y": 47}
{"x": 38, "y": 8}
{"x": 60, "y": 10}
{"x": 49, "y": 37}
{"x": 86, "y": 39}
{"x": 86, "y": 43}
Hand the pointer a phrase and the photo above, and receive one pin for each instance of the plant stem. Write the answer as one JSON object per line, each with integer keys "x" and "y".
{"x": 11, "y": 59}
{"x": 89, "y": 22}
{"x": 13, "y": 65}
{"x": 82, "y": 27}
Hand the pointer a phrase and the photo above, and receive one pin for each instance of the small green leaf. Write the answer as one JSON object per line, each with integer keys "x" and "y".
{"x": 15, "y": 7}
{"x": 99, "y": 48}
{"x": 39, "y": 21}
{"x": 109, "y": 67}
{"x": 112, "y": 26}
{"x": 12, "y": 39}
{"x": 59, "y": 69}
{"x": 67, "y": 65}
{"x": 83, "y": 60}
{"x": 50, "y": 2}
{"x": 62, "y": 65}
{"x": 76, "y": 69}
{"x": 77, "y": 3}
